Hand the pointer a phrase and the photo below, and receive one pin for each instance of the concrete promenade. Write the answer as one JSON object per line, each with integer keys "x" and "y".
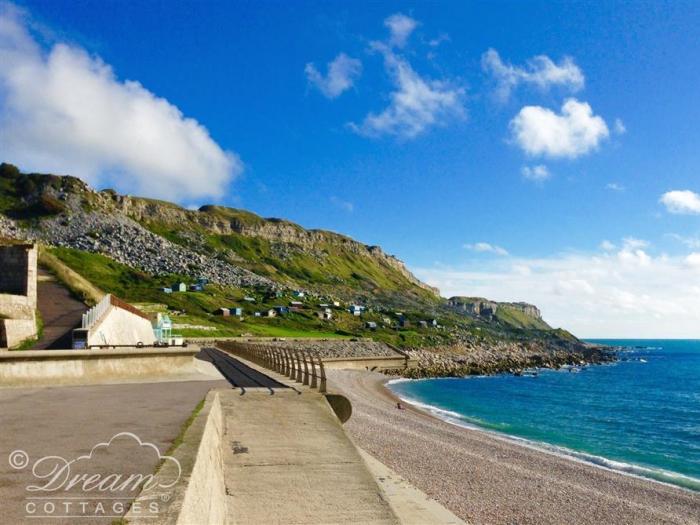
{"x": 69, "y": 421}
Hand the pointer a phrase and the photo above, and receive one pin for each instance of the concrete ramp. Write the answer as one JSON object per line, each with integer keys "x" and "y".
{"x": 288, "y": 460}
{"x": 262, "y": 458}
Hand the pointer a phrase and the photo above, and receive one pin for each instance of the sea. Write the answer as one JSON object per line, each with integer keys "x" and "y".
{"x": 639, "y": 415}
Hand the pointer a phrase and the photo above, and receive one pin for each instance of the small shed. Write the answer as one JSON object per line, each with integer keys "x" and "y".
{"x": 224, "y": 312}
{"x": 356, "y": 309}
{"x": 258, "y": 314}
{"x": 179, "y": 287}
{"x": 281, "y": 310}
{"x": 166, "y": 289}
{"x": 271, "y": 313}
{"x": 196, "y": 288}
{"x": 423, "y": 324}
{"x": 371, "y": 325}
{"x": 298, "y": 293}
{"x": 237, "y": 311}
{"x": 296, "y": 304}
{"x": 404, "y": 323}
{"x": 249, "y": 299}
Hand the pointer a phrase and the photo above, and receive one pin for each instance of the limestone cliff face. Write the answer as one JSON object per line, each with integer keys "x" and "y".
{"x": 226, "y": 221}
{"x": 486, "y": 309}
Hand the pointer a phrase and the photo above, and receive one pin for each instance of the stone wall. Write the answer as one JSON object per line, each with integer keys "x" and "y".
{"x": 18, "y": 293}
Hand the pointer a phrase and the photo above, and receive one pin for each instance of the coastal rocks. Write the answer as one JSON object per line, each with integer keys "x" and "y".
{"x": 500, "y": 357}
{"x": 333, "y": 348}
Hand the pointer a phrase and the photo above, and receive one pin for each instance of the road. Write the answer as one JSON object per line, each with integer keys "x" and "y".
{"x": 237, "y": 373}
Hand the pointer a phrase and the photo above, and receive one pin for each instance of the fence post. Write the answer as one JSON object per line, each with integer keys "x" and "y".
{"x": 306, "y": 368}
{"x": 298, "y": 375}
{"x": 322, "y": 388}
{"x": 314, "y": 381}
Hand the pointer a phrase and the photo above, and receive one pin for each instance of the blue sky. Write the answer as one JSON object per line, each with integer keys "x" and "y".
{"x": 539, "y": 151}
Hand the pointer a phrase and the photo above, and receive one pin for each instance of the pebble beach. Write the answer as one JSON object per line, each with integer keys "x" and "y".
{"x": 486, "y": 478}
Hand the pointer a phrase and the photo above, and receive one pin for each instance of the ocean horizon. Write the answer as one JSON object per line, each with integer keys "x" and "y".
{"x": 639, "y": 415}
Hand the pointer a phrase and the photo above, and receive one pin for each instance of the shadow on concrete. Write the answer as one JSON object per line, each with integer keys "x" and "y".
{"x": 237, "y": 373}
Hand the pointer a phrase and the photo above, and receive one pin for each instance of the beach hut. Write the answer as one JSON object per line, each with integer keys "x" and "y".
{"x": 281, "y": 310}
{"x": 196, "y": 288}
{"x": 179, "y": 287}
{"x": 271, "y": 312}
{"x": 166, "y": 289}
{"x": 224, "y": 312}
{"x": 237, "y": 311}
{"x": 371, "y": 325}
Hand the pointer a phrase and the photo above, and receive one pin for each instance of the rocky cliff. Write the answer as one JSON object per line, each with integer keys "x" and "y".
{"x": 522, "y": 314}
{"x": 227, "y": 245}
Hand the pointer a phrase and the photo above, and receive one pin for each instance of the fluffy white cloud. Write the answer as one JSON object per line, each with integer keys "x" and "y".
{"x": 342, "y": 72}
{"x": 65, "y": 111}
{"x": 400, "y": 28}
{"x": 485, "y": 247}
{"x": 415, "y": 105}
{"x": 624, "y": 293}
{"x": 540, "y": 71}
{"x": 574, "y": 132}
{"x": 681, "y": 202}
{"x": 538, "y": 173}
{"x": 607, "y": 246}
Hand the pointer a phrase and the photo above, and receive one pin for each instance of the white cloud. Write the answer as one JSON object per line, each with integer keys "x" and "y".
{"x": 614, "y": 186}
{"x": 693, "y": 260}
{"x": 400, "y": 28}
{"x": 416, "y": 104}
{"x": 540, "y": 71}
{"x": 607, "y": 246}
{"x": 623, "y": 293}
{"x": 690, "y": 242}
{"x": 485, "y": 247}
{"x": 343, "y": 205}
{"x": 342, "y": 72}
{"x": 65, "y": 111}
{"x": 619, "y": 127}
{"x": 574, "y": 132}
{"x": 681, "y": 202}
{"x": 435, "y": 42}
{"x": 538, "y": 173}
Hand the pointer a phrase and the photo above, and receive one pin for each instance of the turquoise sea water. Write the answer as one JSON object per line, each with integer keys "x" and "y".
{"x": 640, "y": 415}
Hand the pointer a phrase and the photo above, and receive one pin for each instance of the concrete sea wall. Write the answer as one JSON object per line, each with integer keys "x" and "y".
{"x": 64, "y": 367}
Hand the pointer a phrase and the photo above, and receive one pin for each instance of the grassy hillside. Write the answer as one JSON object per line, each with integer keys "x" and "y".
{"x": 327, "y": 265}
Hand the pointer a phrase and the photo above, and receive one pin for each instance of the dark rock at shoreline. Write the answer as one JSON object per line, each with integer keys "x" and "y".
{"x": 511, "y": 358}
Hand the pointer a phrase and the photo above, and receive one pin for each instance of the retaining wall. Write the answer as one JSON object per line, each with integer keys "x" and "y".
{"x": 62, "y": 367}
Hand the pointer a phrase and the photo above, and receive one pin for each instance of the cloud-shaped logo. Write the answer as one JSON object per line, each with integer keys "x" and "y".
{"x": 58, "y": 473}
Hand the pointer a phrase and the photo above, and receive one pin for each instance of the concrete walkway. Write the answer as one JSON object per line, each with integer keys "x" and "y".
{"x": 289, "y": 461}
{"x": 69, "y": 422}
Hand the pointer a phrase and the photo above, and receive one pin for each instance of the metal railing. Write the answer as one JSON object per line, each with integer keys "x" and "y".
{"x": 298, "y": 365}
{"x": 94, "y": 314}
